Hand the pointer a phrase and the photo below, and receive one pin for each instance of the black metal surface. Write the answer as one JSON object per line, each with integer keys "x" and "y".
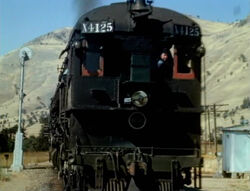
{"x": 161, "y": 19}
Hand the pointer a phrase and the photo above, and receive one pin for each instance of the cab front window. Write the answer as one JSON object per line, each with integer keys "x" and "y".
{"x": 93, "y": 64}
{"x": 92, "y": 59}
{"x": 183, "y": 63}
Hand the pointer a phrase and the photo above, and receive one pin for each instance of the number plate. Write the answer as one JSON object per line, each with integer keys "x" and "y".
{"x": 98, "y": 27}
{"x": 184, "y": 30}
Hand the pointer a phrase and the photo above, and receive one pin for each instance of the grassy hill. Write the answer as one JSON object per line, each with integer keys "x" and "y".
{"x": 40, "y": 79}
{"x": 226, "y": 74}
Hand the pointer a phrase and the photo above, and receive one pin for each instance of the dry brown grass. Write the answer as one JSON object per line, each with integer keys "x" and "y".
{"x": 29, "y": 158}
{"x": 208, "y": 149}
{"x": 4, "y": 177}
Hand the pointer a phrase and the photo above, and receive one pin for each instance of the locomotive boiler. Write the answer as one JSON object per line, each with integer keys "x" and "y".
{"x": 117, "y": 121}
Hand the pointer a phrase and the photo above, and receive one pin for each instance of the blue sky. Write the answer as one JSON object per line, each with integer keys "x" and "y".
{"x": 24, "y": 20}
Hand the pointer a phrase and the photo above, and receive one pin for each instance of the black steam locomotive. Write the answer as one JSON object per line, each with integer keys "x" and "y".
{"x": 117, "y": 120}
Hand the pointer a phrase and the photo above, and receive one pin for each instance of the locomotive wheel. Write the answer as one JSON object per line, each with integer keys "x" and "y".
{"x": 61, "y": 158}
{"x": 74, "y": 179}
{"x": 79, "y": 179}
{"x": 54, "y": 156}
{"x": 65, "y": 177}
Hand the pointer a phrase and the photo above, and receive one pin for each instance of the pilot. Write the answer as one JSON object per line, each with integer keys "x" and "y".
{"x": 165, "y": 65}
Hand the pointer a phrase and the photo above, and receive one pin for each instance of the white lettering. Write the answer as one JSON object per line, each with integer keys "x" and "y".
{"x": 97, "y": 27}
{"x": 84, "y": 28}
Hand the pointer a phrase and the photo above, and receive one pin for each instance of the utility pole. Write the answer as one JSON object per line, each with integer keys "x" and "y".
{"x": 217, "y": 155}
{"x": 205, "y": 102}
{"x": 209, "y": 129}
{"x": 17, "y": 165}
{"x": 215, "y": 111}
{"x": 215, "y": 130}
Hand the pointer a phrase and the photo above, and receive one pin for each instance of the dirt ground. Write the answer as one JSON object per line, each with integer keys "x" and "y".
{"x": 225, "y": 184}
{"x": 33, "y": 180}
{"x": 46, "y": 180}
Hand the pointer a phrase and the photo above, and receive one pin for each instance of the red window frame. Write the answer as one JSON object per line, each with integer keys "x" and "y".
{"x": 178, "y": 75}
{"x": 98, "y": 73}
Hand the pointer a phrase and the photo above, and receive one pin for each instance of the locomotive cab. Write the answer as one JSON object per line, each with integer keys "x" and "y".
{"x": 117, "y": 60}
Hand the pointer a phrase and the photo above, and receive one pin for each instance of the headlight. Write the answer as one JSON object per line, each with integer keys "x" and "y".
{"x": 139, "y": 98}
